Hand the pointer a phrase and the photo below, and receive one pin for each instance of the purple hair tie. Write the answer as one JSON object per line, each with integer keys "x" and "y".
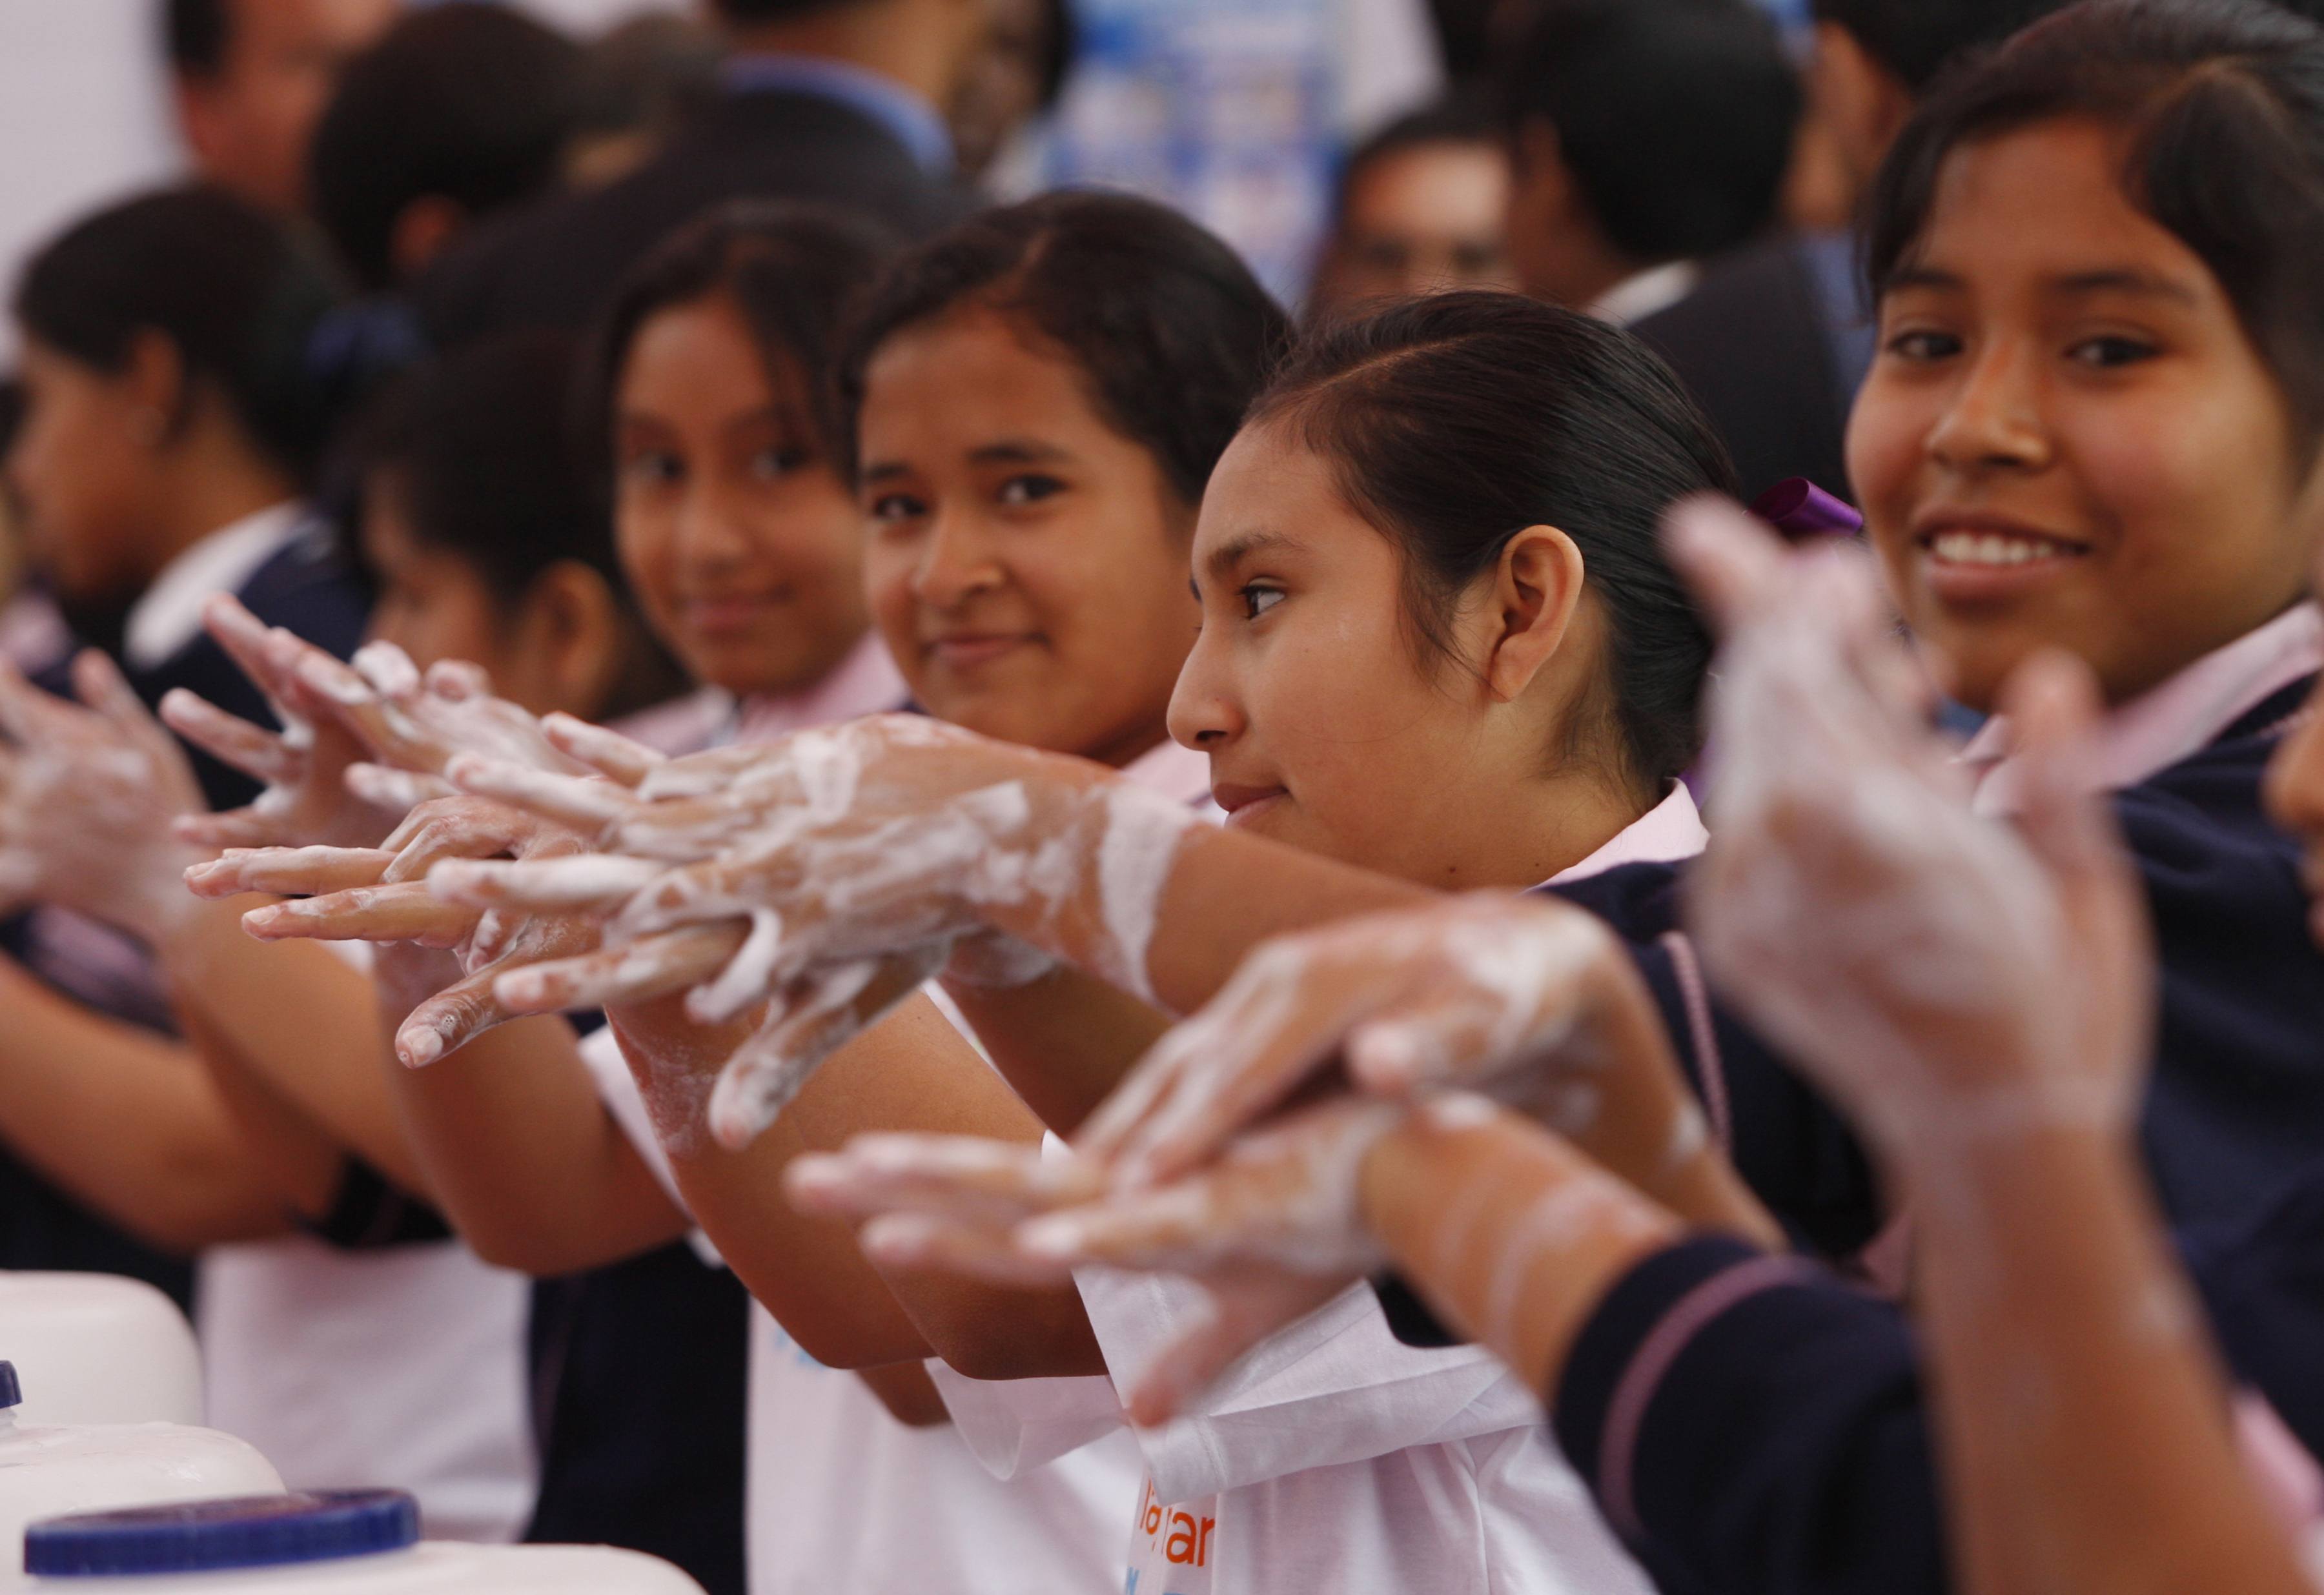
{"x": 1798, "y": 508}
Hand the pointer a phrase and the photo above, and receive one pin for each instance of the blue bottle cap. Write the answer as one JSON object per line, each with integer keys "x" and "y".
{"x": 12, "y": 1394}
{"x": 212, "y": 1537}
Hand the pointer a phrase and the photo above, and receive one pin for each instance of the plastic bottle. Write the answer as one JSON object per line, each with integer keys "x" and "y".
{"x": 47, "y": 1470}
{"x": 97, "y": 1349}
{"x": 357, "y": 1541}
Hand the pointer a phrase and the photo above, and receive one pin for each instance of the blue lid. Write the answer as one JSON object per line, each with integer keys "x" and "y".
{"x": 210, "y": 1536}
{"x": 12, "y": 1394}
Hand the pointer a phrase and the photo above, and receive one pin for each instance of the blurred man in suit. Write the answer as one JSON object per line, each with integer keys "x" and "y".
{"x": 1776, "y": 338}
{"x": 250, "y": 78}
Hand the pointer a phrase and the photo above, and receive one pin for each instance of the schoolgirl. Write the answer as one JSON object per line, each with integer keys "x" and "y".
{"x": 1358, "y": 569}
{"x": 179, "y": 402}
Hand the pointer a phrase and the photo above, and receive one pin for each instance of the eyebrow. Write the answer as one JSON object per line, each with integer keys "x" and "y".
{"x": 1244, "y": 546}
{"x": 2078, "y": 285}
{"x": 2126, "y": 280}
{"x": 1016, "y": 451}
{"x": 881, "y": 471}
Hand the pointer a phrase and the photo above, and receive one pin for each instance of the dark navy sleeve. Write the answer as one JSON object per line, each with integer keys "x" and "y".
{"x": 1750, "y": 1424}
{"x": 1794, "y": 1149}
{"x": 2262, "y": 1289}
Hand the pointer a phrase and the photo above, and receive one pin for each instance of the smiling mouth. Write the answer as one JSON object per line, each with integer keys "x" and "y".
{"x": 726, "y": 614}
{"x": 1996, "y": 551}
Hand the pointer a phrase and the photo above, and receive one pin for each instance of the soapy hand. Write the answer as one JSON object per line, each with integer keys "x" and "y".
{"x": 1268, "y": 1233}
{"x": 890, "y": 834}
{"x": 1944, "y": 975}
{"x": 87, "y": 794}
{"x": 379, "y": 895}
{"x": 851, "y": 863}
{"x": 303, "y": 766}
{"x": 1531, "y": 999}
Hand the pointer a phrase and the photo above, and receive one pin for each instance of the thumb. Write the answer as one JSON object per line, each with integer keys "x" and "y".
{"x": 1241, "y": 1316}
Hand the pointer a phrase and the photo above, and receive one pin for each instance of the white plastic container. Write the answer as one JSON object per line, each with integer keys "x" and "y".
{"x": 98, "y": 1348}
{"x": 362, "y": 1541}
{"x": 50, "y": 1469}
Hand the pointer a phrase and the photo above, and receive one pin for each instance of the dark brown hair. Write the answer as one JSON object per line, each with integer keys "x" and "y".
{"x": 1173, "y": 334}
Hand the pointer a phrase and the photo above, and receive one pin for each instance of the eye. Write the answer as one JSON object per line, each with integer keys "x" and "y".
{"x": 888, "y": 509}
{"x": 652, "y": 467}
{"x": 1925, "y": 344}
{"x": 2107, "y": 352}
{"x": 770, "y": 464}
{"x": 1030, "y": 489}
{"x": 1258, "y": 598}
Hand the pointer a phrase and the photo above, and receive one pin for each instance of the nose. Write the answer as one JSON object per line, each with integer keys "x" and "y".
{"x": 957, "y": 562}
{"x": 1205, "y": 712}
{"x": 710, "y": 531}
{"x": 1995, "y": 419}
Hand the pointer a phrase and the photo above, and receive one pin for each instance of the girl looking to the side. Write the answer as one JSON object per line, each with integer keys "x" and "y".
{"x": 1341, "y": 585}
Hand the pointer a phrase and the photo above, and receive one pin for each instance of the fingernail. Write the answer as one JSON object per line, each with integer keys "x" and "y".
{"x": 897, "y": 1238}
{"x": 263, "y": 919}
{"x": 422, "y": 1050}
{"x": 1056, "y": 1239}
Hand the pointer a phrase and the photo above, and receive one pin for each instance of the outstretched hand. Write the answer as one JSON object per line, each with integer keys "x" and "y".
{"x": 1267, "y": 1235}
{"x": 1944, "y": 975}
{"x": 88, "y": 794}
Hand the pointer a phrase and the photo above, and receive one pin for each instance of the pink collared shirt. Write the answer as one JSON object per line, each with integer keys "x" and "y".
{"x": 2176, "y": 720}
{"x": 1670, "y": 831}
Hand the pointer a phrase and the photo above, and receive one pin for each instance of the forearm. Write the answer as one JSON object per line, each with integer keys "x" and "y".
{"x": 911, "y": 1072}
{"x": 1508, "y": 1233}
{"x": 2083, "y": 1422}
{"x": 1063, "y": 1042}
{"x": 523, "y": 1159}
{"x": 125, "y": 1120}
{"x": 303, "y": 1019}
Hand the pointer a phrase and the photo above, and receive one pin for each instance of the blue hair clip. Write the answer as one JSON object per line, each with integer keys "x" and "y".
{"x": 1798, "y": 508}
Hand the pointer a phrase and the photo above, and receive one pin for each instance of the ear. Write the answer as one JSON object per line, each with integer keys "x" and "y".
{"x": 1536, "y": 591}
{"x": 1863, "y": 103}
{"x": 197, "y": 118}
{"x": 569, "y": 628}
{"x": 420, "y": 233}
{"x": 154, "y": 386}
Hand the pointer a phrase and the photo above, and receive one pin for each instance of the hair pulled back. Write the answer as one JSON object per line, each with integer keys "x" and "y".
{"x": 241, "y": 298}
{"x": 1456, "y": 421}
{"x": 1173, "y": 335}
{"x": 2222, "y": 103}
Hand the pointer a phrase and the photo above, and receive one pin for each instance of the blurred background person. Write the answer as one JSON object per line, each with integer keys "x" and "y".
{"x": 1648, "y": 136}
{"x": 641, "y": 81}
{"x": 249, "y": 79}
{"x": 460, "y": 110}
{"x": 834, "y": 101}
{"x": 1422, "y": 207}
{"x": 1778, "y": 337}
{"x": 1016, "y": 78}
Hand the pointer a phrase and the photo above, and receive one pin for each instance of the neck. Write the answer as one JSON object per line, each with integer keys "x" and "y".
{"x": 1522, "y": 834}
{"x": 198, "y": 497}
{"x": 875, "y": 37}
